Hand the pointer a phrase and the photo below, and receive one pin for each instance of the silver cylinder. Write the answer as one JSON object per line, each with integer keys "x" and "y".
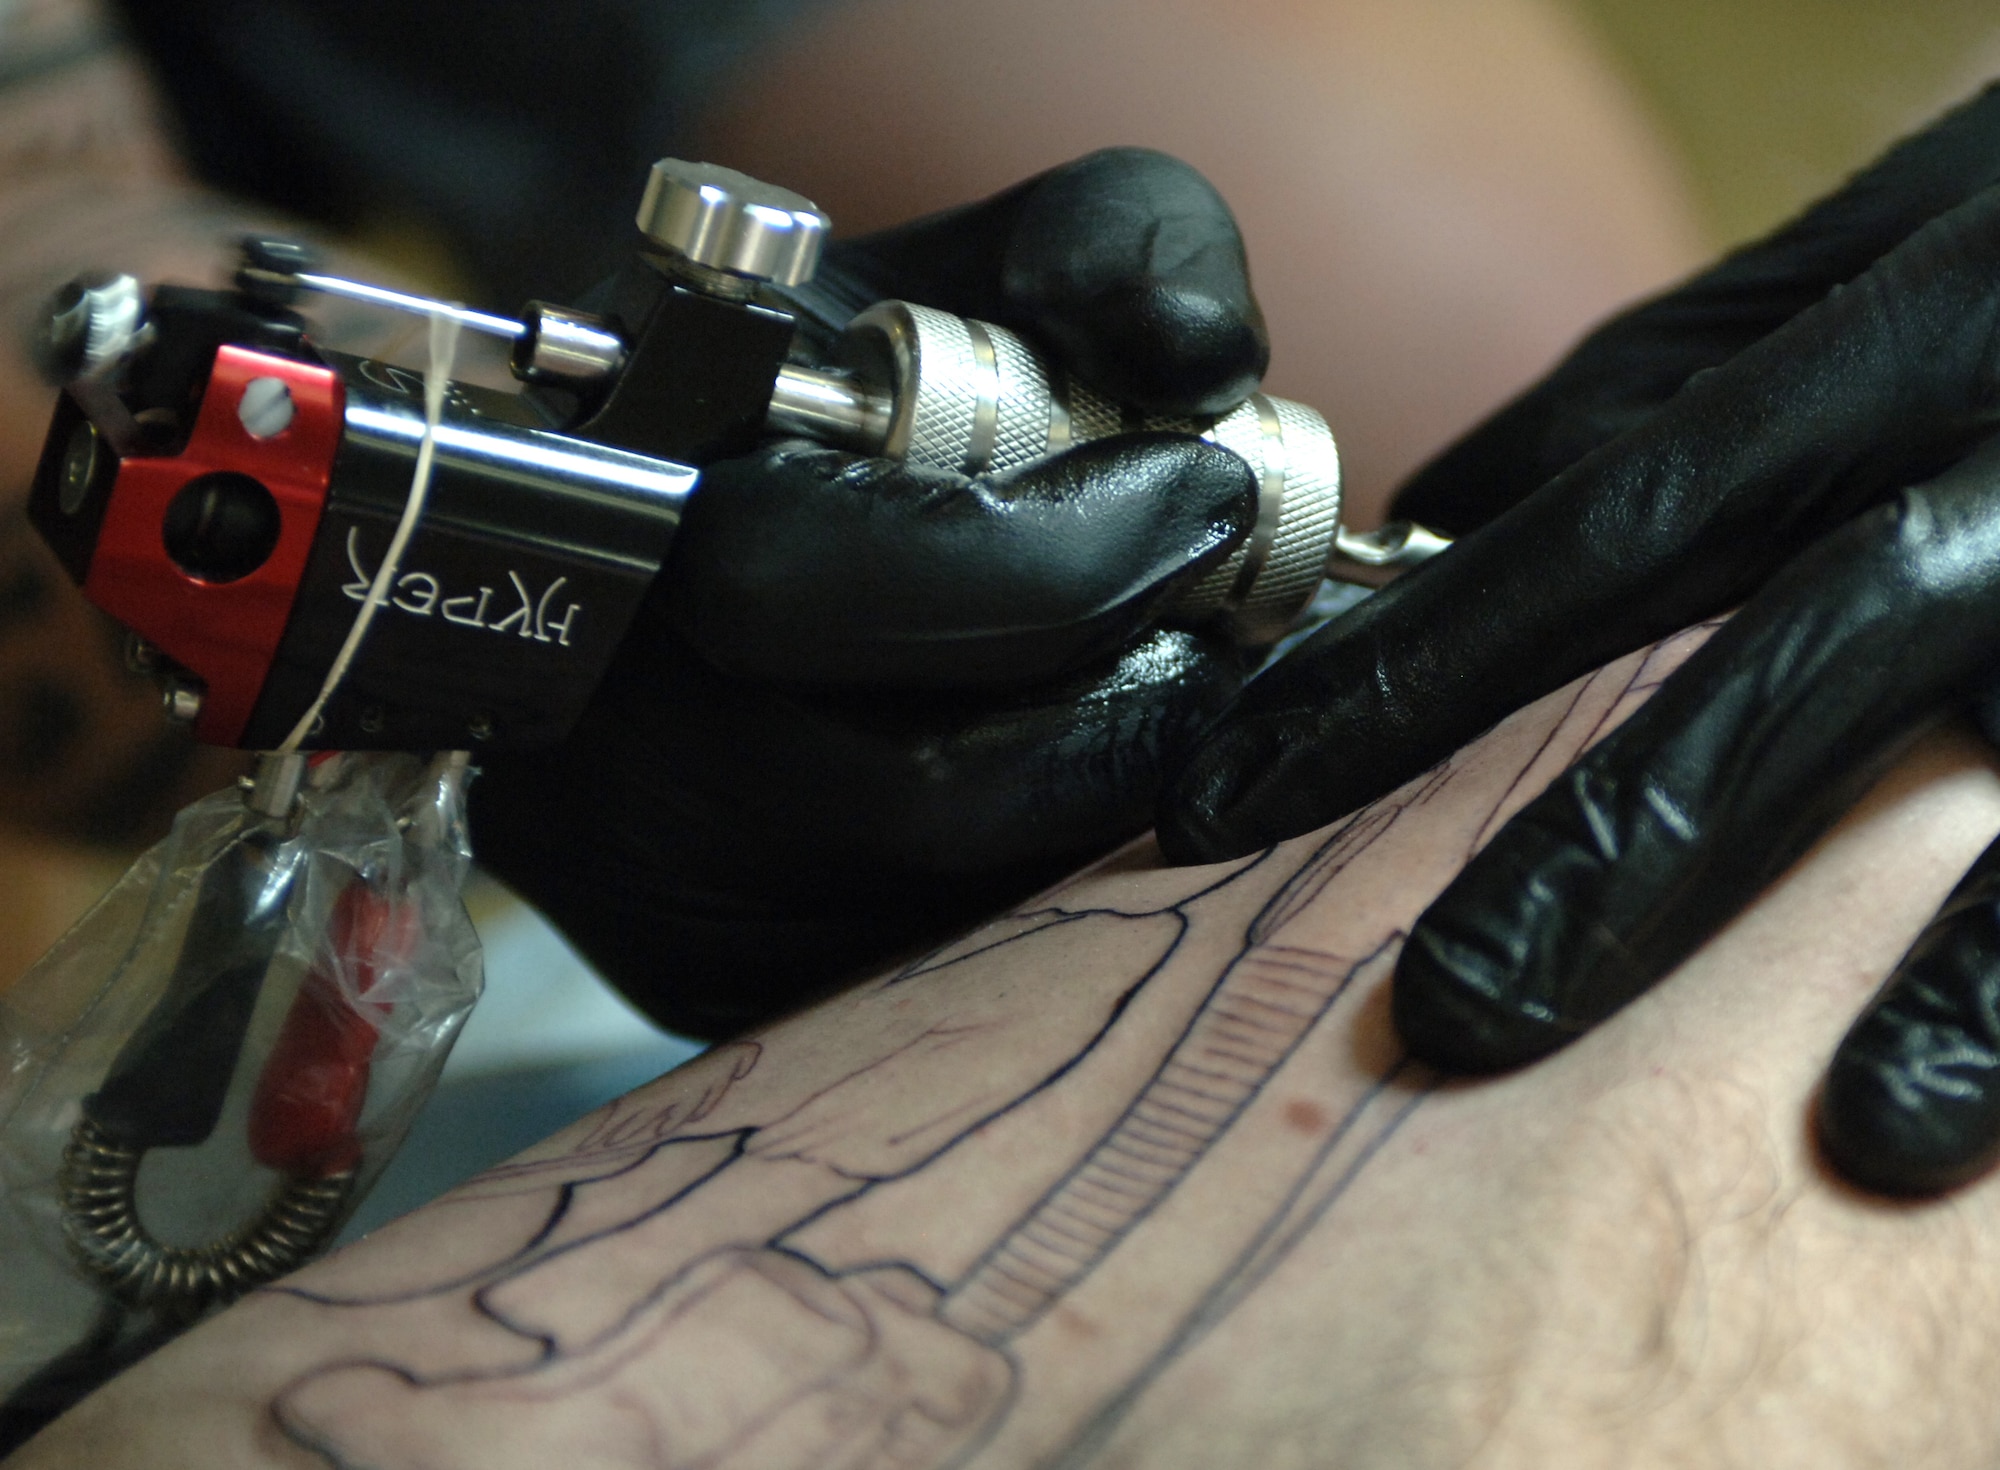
{"x": 972, "y": 397}
{"x": 828, "y": 406}
{"x": 1376, "y": 558}
{"x": 564, "y": 348}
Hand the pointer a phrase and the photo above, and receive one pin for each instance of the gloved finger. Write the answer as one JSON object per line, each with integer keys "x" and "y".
{"x": 1745, "y": 756}
{"x": 1125, "y": 263}
{"x": 1625, "y": 370}
{"x": 1878, "y": 386}
{"x": 1912, "y": 1100}
{"x": 806, "y": 565}
{"x": 774, "y": 842}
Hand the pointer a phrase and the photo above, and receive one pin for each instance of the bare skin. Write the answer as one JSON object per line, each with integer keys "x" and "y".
{"x": 1138, "y": 1175}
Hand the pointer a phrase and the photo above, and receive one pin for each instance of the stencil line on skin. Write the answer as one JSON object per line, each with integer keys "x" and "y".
{"x": 1265, "y": 997}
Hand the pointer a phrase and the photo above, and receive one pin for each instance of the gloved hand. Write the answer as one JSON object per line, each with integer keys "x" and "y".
{"x": 866, "y": 704}
{"x": 1796, "y": 431}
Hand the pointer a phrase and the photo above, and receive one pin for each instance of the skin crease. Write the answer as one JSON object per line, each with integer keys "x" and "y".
{"x": 1625, "y": 1256}
{"x": 1436, "y": 197}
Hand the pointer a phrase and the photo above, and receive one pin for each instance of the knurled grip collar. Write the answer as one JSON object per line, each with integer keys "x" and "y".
{"x": 972, "y": 397}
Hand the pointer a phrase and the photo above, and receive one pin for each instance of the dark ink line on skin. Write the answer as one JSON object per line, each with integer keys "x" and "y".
{"x": 862, "y": 1268}
{"x": 1487, "y": 828}
{"x": 1053, "y": 915}
{"x": 517, "y": 1263}
{"x": 510, "y": 1264}
{"x": 552, "y": 1354}
{"x": 1299, "y": 1213}
{"x": 896, "y": 1139}
{"x": 1269, "y": 1249}
{"x": 1199, "y": 1145}
{"x": 1274, "y": 1243}
{"x": 1328, "y": 860}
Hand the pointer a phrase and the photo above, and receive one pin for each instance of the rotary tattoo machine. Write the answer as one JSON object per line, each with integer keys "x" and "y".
{"x": 344, "y": 562}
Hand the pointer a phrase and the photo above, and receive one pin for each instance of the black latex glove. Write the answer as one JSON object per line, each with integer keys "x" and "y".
{"x": 1792, "y": 431}
{"x": 864, "y": 705}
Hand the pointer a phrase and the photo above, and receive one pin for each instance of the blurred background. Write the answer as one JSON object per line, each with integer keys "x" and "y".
{"x": 1438, "y": 195}
{"x": 1768, "y": 103}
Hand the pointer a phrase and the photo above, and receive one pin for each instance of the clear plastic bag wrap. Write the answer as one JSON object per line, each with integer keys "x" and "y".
{"x": 202, "y": 1078}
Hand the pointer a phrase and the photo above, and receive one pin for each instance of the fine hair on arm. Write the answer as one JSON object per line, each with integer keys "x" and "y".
{"x": 1139, "y": 1173}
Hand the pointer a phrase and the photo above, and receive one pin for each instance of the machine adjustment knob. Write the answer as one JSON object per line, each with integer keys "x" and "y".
{"x": 90, "y": 327}
{"x": 726, "y": 221}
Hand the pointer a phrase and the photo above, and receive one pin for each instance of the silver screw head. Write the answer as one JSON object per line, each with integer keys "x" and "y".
{"x": 728, "y": 221}
{"x": 183, "y": 700}
{"x": 265, "y": 410}
{"x": 90, "y": 328}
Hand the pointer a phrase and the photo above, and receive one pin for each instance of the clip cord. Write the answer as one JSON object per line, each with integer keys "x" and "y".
{"x": 148, "y": 1102}
{"x": 167, "y": 1088}
{"x": 445, "y": 326}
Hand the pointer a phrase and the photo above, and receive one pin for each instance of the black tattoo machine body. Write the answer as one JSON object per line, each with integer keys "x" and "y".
{"x": 226, "y": 488}
{"x": 317, "y": 551}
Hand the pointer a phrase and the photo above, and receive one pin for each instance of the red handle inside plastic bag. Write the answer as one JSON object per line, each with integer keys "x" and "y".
{"x": 304, "y": 1117}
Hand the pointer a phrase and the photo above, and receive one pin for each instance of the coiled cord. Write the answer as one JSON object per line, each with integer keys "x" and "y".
{"x": 100, "y": 1212}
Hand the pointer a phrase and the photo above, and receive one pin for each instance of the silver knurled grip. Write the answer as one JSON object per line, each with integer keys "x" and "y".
{"x": 972, "y": 397}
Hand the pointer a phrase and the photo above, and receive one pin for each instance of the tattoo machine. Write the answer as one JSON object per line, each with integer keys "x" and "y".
{"x": 320, "y": 551}
{"x": 228, "y": 488}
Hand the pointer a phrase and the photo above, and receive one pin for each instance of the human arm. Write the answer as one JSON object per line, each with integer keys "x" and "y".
{"x": 1795, "y": 430}
{"x": 1141, "y": 1173}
